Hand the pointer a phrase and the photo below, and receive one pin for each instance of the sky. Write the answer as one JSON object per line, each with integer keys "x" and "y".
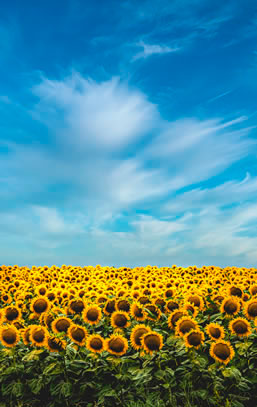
{"x": 128, "y": 133}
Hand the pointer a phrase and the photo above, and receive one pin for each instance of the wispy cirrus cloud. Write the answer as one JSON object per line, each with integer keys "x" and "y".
{"x": 149, "y": 50}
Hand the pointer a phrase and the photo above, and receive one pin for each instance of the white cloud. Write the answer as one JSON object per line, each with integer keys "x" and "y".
{"x": 149, "y": 50}
{"x": 102, "y": 117}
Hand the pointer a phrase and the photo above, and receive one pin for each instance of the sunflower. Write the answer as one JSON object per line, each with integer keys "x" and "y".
{"x": 9, "y": 335}
{"x": 194, "y": 338}
{"x": 160, "y": 302}
{"x": 240, "y": 327}
{"x": 120, "y": 319}
{"x": 76, "y": 306}
{"x": 152, "y": 341}
{"x": 41, "y": 290}
{"x": 38, "y": 335}
{"x": 78, "y": 334}
{"x": 136, "y": 334}
{"x": 175, "y": 316}
{"x": 153, "y": 309}
{"x": 188, "y": 306}
{"x": 25, "y": 335}
{"x": 250, "y": 309}
{"x": 40, "y": 305}
{"x": 230, "y": 306}
{"x": 12, "y": 313}
{"x": 6, "y": 298}
{"x": 54, "y": 344}
{"x": 95, "y": 343}
{"x": 171, "y": 306}
{"x": 61, "y": 324}
{"x": 253, "y": 289}
{"x": 184, "y": 325}
{"x": 235, "y": 290}
{"x": 109, "y": 307}
{"x": 122, "y": 305}
{"x": 116, "y": 345}
{"x": 222, "y": 351}
{"x": 215, "y": 331}
{"x": 137, "y": 311}
{"x": 46, "y": 319}
{"x": 92, "y": 314}
{"x": 196, "y": 300}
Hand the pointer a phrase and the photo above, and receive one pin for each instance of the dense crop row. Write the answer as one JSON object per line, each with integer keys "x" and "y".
{"x": 169, "y": 336}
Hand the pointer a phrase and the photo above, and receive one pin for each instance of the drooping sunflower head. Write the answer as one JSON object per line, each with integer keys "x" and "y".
{"x": 116, "y": 345}
{"x": 250, "y": 309}
{"x": 38, "y": 335}
{"x": 137, "y": 311}
{"x": 222, "y": 351}
{"x": 230, "y": 306}
{"x": 120, "y": 319}
{"x": 152, "y": 342}
{"x": 253, "y": 289}
{"x": 40, "y": 305}
{"x": 61, "y": 324}
{"x": 240, "y": 327}
{"x": 95, "y": 343}
{"x": 215, "y": 331}
{"x": 55, "y": 344}
{"x": 77, "y": 334}
{"x": 25, "y": 334}
{"x": 12, "y": 313}
{"x": 9, "y": 335}
{"x": 92, "y": 314}
{"x": 194, "y": 338}
{"x": 184, "y": 325}
{"x": 136, "y": 335}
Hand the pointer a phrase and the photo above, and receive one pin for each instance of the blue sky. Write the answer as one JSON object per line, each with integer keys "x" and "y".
{"x": 128, "y": 133}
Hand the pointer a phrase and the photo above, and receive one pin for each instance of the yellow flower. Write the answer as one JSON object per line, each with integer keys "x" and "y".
{"x": 116, "y": 345}
{"x": 136, "y": 335}
{"x": 222, "y": 351}
{"x": 184, "y": 325}
{"x": 95, "y": 343}
{"x": 215, "y": 331}
{"x": 92, "y": 314}
{"x": 152, "y": 342}
{"x": 38, "y": 335}
{"x": 120, "y": 319}
{"x": 240, "y": 327}
{"x": 9, "y": 336}
{"x": 194, "y": 338}
{"x": 78, "y": 334}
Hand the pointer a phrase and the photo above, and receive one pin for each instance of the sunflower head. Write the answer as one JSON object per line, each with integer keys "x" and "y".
{"x": 77, "y": 334}
{"x": 120, "y": 319}
{"x": 9, "y": 335}
{"x": 95, "y": 343}
{"x": 12, "y": 313}
{"x": 175, "y": 316}
{"x": 116, "y": 345}
{"x": 136, "y": 335}
{"x": 230, "y": 306}
{"x": 215, "y": 331}
{"x": 123, "y": 304}
{"x": 92, "y": 314}
{"x": 194, "y": 338}
{"x": 55, "y": 344}
{"x": 40, "y": 305}
{"x": 109, "y": 307}
{"x": 171, "y": 306}
{"x": 184, "y": 325}
{"x": 38, "y": 335}
{"x": 250, "y": 309}
{"x": 76, "y": 306}
{"x": 153, "y": 312}
{"x": 240, "y": 327}
{"x": 137, "y": 311}
{"x": 61, "y": 324}
{"x": 222, "y": 351}
{"x": 152, "y": 342}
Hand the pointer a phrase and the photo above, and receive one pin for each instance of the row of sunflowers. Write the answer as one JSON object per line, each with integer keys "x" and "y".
{"x": 138, "y": 313}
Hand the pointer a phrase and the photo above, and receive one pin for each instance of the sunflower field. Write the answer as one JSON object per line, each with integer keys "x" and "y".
{"x": 147, "y": 336}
